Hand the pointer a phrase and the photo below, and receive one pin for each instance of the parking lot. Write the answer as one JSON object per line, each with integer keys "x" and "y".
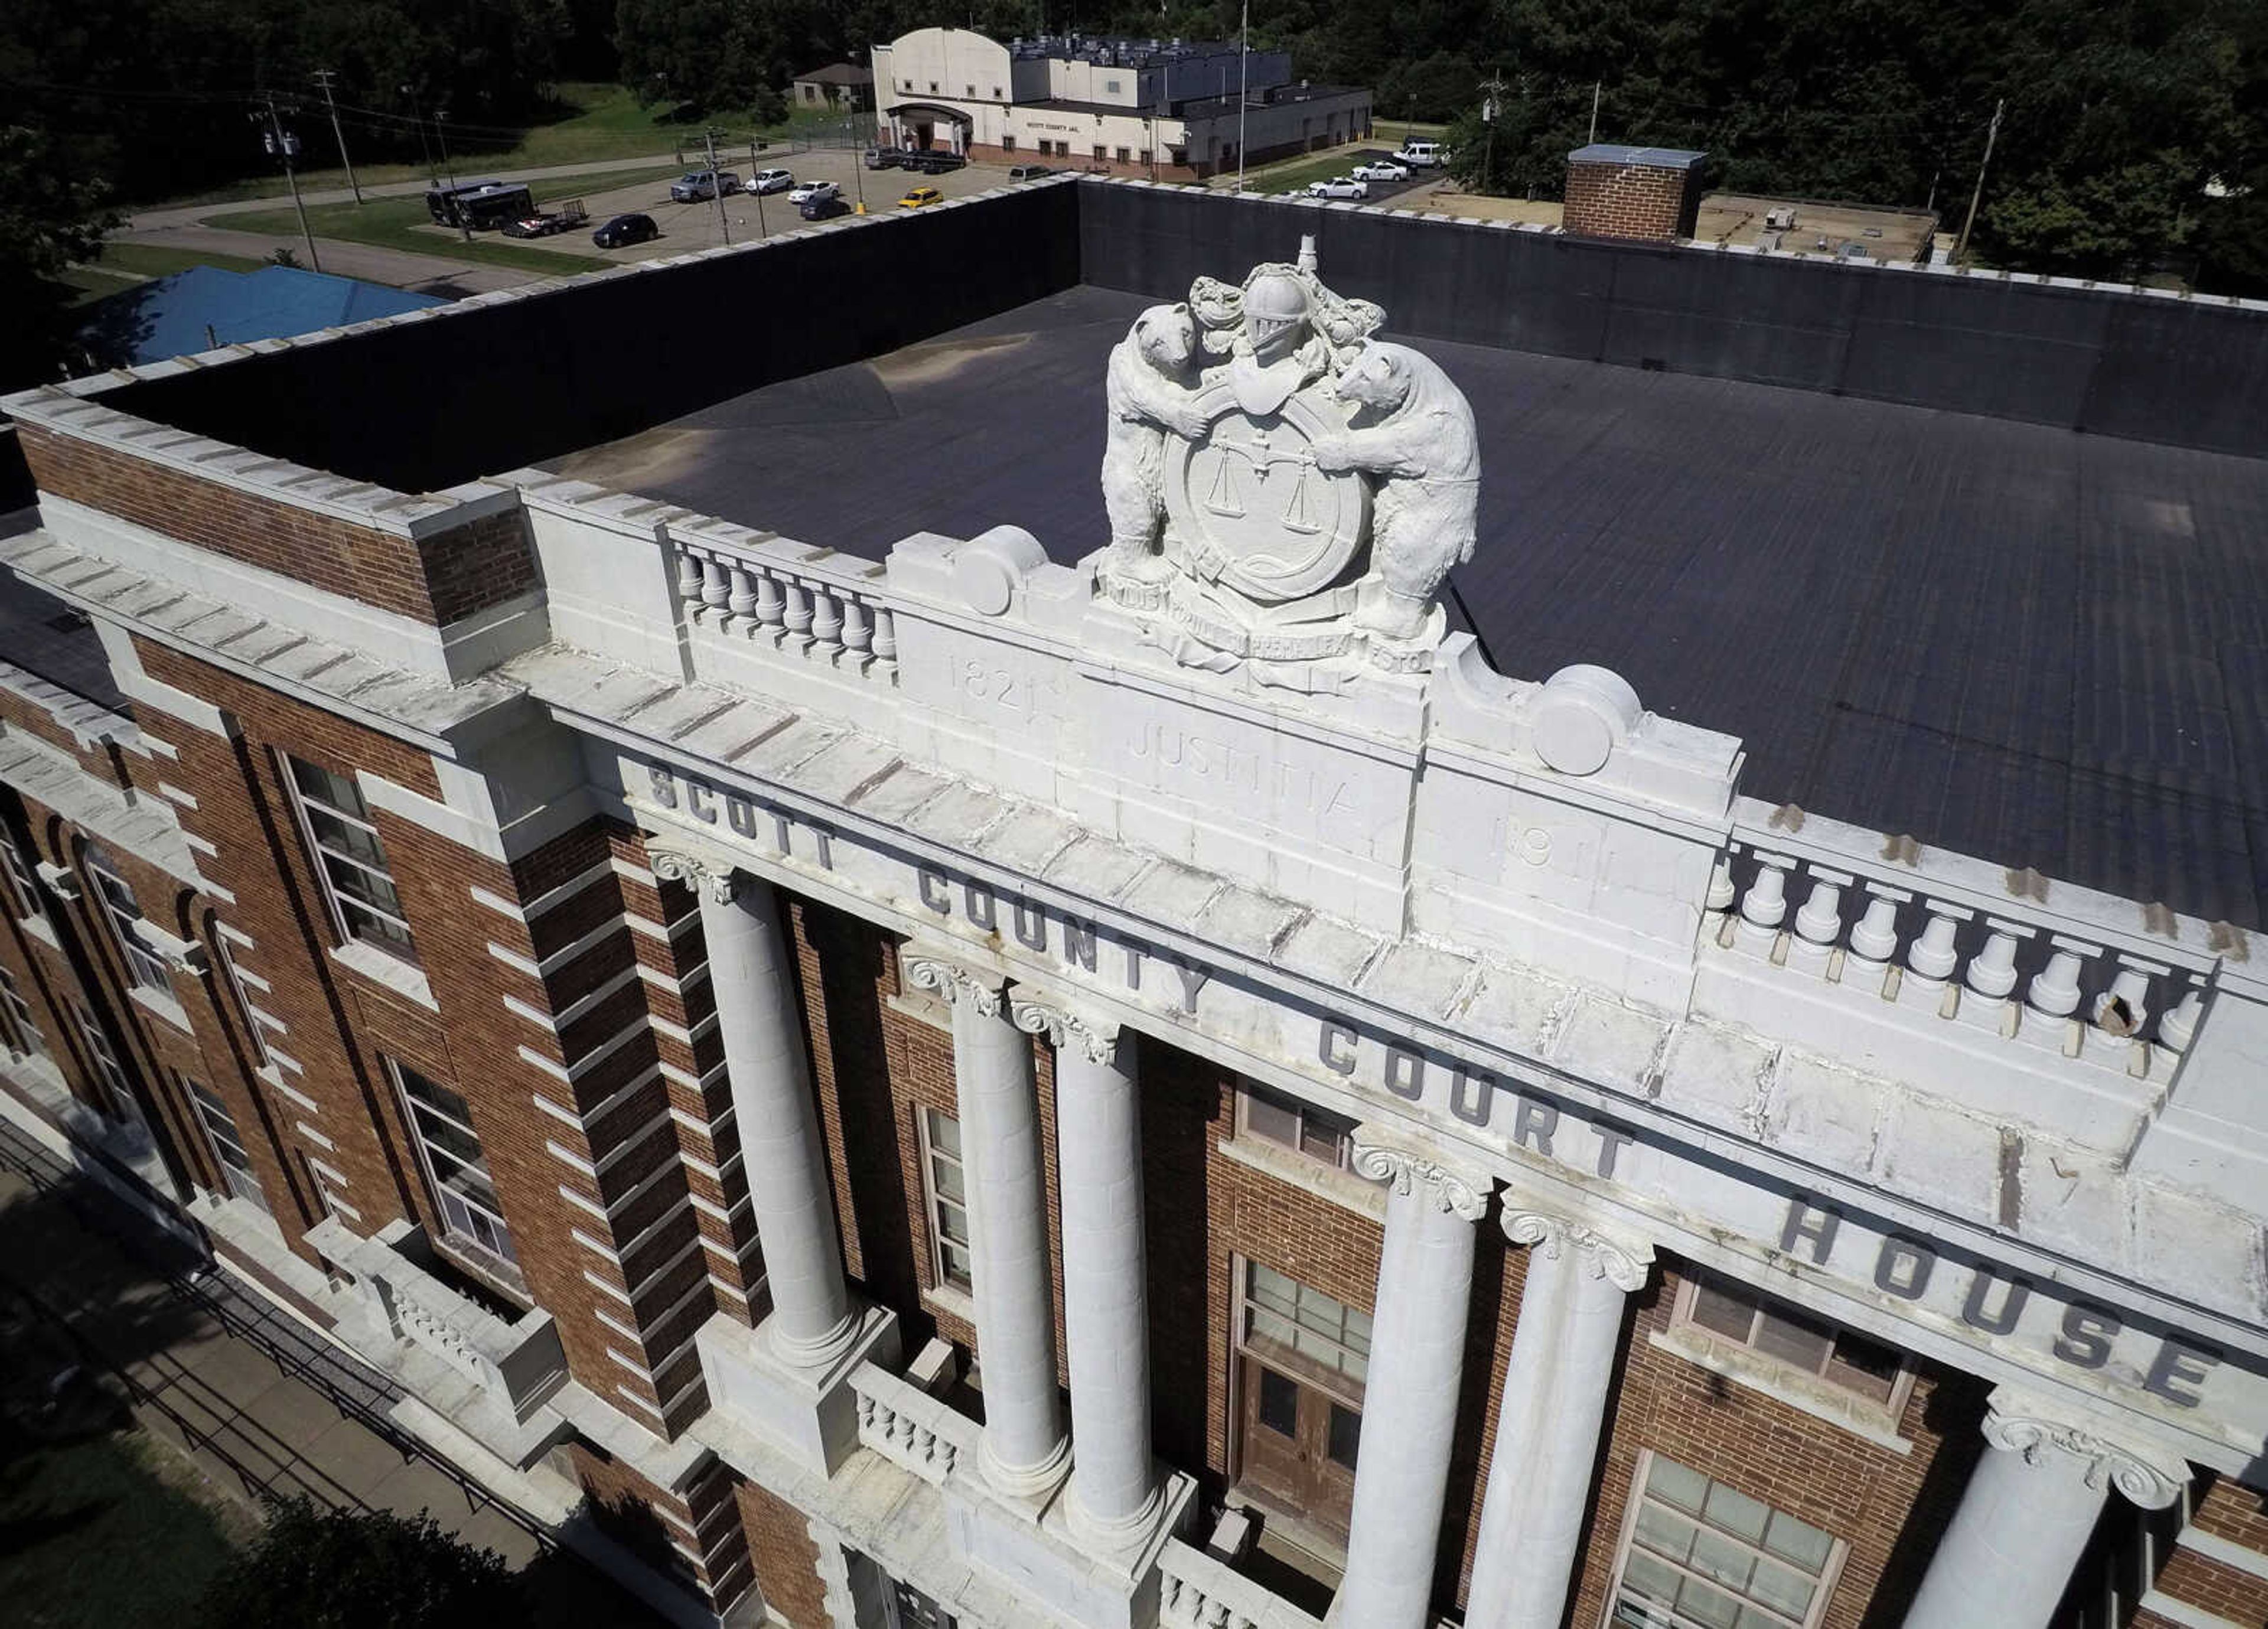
{"x": 689, "y": 227}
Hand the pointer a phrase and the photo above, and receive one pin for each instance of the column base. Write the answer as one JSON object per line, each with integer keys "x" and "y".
{"x": 810, "y": 1413}
{"x": 1038, "y": 1546}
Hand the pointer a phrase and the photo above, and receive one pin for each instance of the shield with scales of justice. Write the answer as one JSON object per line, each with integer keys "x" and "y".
{"x": 1250, "y": 507}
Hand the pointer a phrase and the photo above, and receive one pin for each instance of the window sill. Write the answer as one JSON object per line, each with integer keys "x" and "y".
{"x": 923, "y": 1009}
{"x": 1343, "y": 1189}
{"x": 158, "y": 1004}
{"x": 40, "y": 928}
{"x": 1854, "y": 1415}
{"x": 951, "y": 1302}
{"x": 389, "y": 972}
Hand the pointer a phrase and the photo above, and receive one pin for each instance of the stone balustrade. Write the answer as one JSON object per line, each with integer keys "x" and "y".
{"x": 521, "y": 1362}
{"x": 1201, "y": 1591}
{"x": 814, "y": 604}
{"x": 1962, "y": 940}
{"x": 912, "y": 1429}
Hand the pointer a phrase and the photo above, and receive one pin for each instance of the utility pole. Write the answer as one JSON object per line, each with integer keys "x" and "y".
{"x": 281, "y": 144}
{"x": 1992, "y": 134}
{"x": 717, "y": 191}
{"x": 1243, "y": 98}
{"x": 1597, "y": 85}
{"x": 323, "y": 76}
{"x": 441, "y": 135}
{"x": 417, "y": 118}
{"x": 1491, "y": 99}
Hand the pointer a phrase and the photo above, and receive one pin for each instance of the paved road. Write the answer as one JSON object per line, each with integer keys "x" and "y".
{"x": 189, "y": 214}
{"x": 422, "y": 273}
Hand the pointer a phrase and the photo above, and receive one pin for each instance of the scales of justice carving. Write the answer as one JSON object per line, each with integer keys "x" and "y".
{"x": 1284, "y": 489}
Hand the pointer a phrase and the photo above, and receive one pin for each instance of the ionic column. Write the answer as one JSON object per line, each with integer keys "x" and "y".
{"x": 1024, "y": 1447}
{"x": 2027, "y": 1513}
{"x": 1547, "y": 1434}
{"x": 1115, "y": 1490}
{"x": 1409, "y": 1403}
{"x": 812, "y": 1321}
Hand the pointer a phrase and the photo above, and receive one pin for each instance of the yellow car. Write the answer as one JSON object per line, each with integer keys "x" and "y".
{"x": 921, "y": 197}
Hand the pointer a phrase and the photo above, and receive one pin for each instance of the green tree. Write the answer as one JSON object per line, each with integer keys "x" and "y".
{"x": 52, "y": 212}
{"x": 312, "y": 1568}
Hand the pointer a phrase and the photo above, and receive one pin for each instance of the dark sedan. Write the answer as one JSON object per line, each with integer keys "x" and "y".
{"x": 624, "y": 230}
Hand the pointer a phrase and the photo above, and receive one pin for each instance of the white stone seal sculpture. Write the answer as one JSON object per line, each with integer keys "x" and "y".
{"x": 1285, "y": 493}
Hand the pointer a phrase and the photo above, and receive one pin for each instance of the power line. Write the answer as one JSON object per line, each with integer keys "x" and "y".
{"x": 323, "y": 76}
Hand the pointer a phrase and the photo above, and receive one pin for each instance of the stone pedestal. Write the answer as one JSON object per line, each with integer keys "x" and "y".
{"x": 1056, "y": 1563}
{"x": 807, "y": 1411}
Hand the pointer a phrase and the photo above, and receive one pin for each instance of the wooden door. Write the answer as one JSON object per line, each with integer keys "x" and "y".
{"x": 1299, "y": 1445}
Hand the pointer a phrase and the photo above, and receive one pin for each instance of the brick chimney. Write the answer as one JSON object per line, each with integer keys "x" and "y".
{"x": 1614, "y": 191}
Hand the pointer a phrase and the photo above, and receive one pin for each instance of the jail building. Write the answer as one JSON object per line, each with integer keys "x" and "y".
{"x": 869, "y": 1067}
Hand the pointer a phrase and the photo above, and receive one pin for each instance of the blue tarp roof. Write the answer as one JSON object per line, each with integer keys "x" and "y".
{"x": 171, "y": 316}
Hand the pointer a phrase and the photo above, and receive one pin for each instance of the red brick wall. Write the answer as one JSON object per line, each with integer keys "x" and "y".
{"x": 638, "y": 1516}
{"x": 2215, "y": 1586}
{"x": 787, "y": 1561}
{"x": 437, "y": 579}
{"x": 1632, "y": 200}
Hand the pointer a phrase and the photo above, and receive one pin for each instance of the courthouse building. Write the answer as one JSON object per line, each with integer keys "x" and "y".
{"x": 874, "y": 1060}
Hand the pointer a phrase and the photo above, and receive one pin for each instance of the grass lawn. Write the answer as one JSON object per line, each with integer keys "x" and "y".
{"x": 1294, "y": 175}
{"x": 599, "y": 122}
{"x": 98, "y": 1535}
{"x": 391, "y": 223}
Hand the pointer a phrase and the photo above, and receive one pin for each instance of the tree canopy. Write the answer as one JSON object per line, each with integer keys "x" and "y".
{"x": 312, "y": 1568}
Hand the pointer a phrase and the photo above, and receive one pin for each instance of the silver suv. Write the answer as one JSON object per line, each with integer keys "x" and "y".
{"x": 700, "y": 186}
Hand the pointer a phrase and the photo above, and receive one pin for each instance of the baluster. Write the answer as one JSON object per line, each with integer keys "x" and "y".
{"x": 1819, "y": 924}
{"x": 825, "y": 619}
{"x": 2177, "y": 1027}
{"x": 2123, "y": 1009}
{"x": 768, "y": 603}
{"x": 2054, "y": 989}
{"x": 1765, "y": 904}
{"x": 1875, "y": 941}
{"x": 688, "y": 580}
{"x": 857, "y": 627}
{"x": 866, "y": 1414}
{"x": 1992, "y": 970}
{"x": 741, "y": 601}
{"x": 1721, "y": 893}
{"x": 885, "y": 634}
{"x": 797, "y": 619}
{"x": 1933, "y": 956}
{"x": 714, "y": 590}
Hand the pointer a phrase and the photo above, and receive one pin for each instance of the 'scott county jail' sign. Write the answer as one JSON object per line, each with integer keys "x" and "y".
{"x": 1810, "y": 1249}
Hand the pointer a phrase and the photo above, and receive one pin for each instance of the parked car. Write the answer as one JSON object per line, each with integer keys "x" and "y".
{"x": 1029, "y": 172}
{"x": 825, "y": 209}
{"x": 1420, "y": 155}
{"x": 1382, "y": 170}
{"x": 920, "y": 198}
{"x": 624, "y": 230}
{"x": 773, "y": 180}
{"x": 700, "y": 186}
{"x": 812, "y": 190}
{"x": 549, "y": 223}
{"x": 932, "y": 162}
{"x": 883, "y": 158}
{"x": 1339, "y": 187}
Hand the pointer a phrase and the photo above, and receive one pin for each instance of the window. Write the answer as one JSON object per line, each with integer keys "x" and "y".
{"x": 1100, "y": 152}
{"x": 227, "y": 1144}
{"x": 1284, "y": 1317}
{"x": 1737, "y": 1315}
{"x": 1110, "y": 87}
{"x": 22, "y": 882}
{"x": 107, "y": 1068}
{"x": 910, "y": 1609}
{"x": 1321, "y": 1136}
{"x": 970, "y": 91}
{"x": 350, "y": 858}
{"x": 1125, "y": 155}
{"x": 251, "y": 1030}
{"x": 17, "y": 1029}
{"x": 1699, "y": 1554}
{"x": 945, "y": 1183}
{"x": 456, "y": 1167}
{"x": 144, "y": 967}
{"x": 1007, "y": 143}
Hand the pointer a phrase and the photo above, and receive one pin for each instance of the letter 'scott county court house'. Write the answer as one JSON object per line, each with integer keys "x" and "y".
{"x": 888, "y": 1032}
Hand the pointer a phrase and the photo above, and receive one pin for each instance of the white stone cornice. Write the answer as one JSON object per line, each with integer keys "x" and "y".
{"x": 953, "y": 982}
{"x": 1406, "y": 1170}
{"x": 2028, "y": 1427}
{"x": 1625, "y": 1262}
{"x": 1066, "y": 1025}
{"x": 714, "y": 879}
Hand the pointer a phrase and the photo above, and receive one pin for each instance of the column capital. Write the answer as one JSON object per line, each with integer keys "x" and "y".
{"x": 1038, "y": 1012}
{"x": 711, "y": 877}
{"x": 2028, "y": 1427}
{"x": 1623, "y": 1261}
{"x": 1407, "y": 1170}
{"x": 954, "y": 982}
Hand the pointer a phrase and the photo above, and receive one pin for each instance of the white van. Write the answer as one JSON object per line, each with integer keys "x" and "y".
{"x": 1420, "y": 155}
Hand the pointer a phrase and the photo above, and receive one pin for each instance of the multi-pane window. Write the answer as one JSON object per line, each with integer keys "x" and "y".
{"x": 1737, "y": 1315}
{"x": 350, "y": 858}
{"x": 947, "y": 1181}
{"x": 1284, "y": 1317}
{"x": 1296, "y": 1125}
{"x": 22, "y": 882}
{"x": 455, "y": 1166}
{"x": 1699, "y": 1554}
{"x": 227, "y": 1142}
{"x": 107, "y": 1068}
{"x": 909, "y": 1608}
{"x": 144, "y": 966}
{"x": 21, "y": 1035}
{"x": 257, "y": 1040}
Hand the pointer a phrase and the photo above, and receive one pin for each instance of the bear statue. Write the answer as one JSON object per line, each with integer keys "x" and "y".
{"x": 1147, "y": 393}
{"x": 1413, "y": 430}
